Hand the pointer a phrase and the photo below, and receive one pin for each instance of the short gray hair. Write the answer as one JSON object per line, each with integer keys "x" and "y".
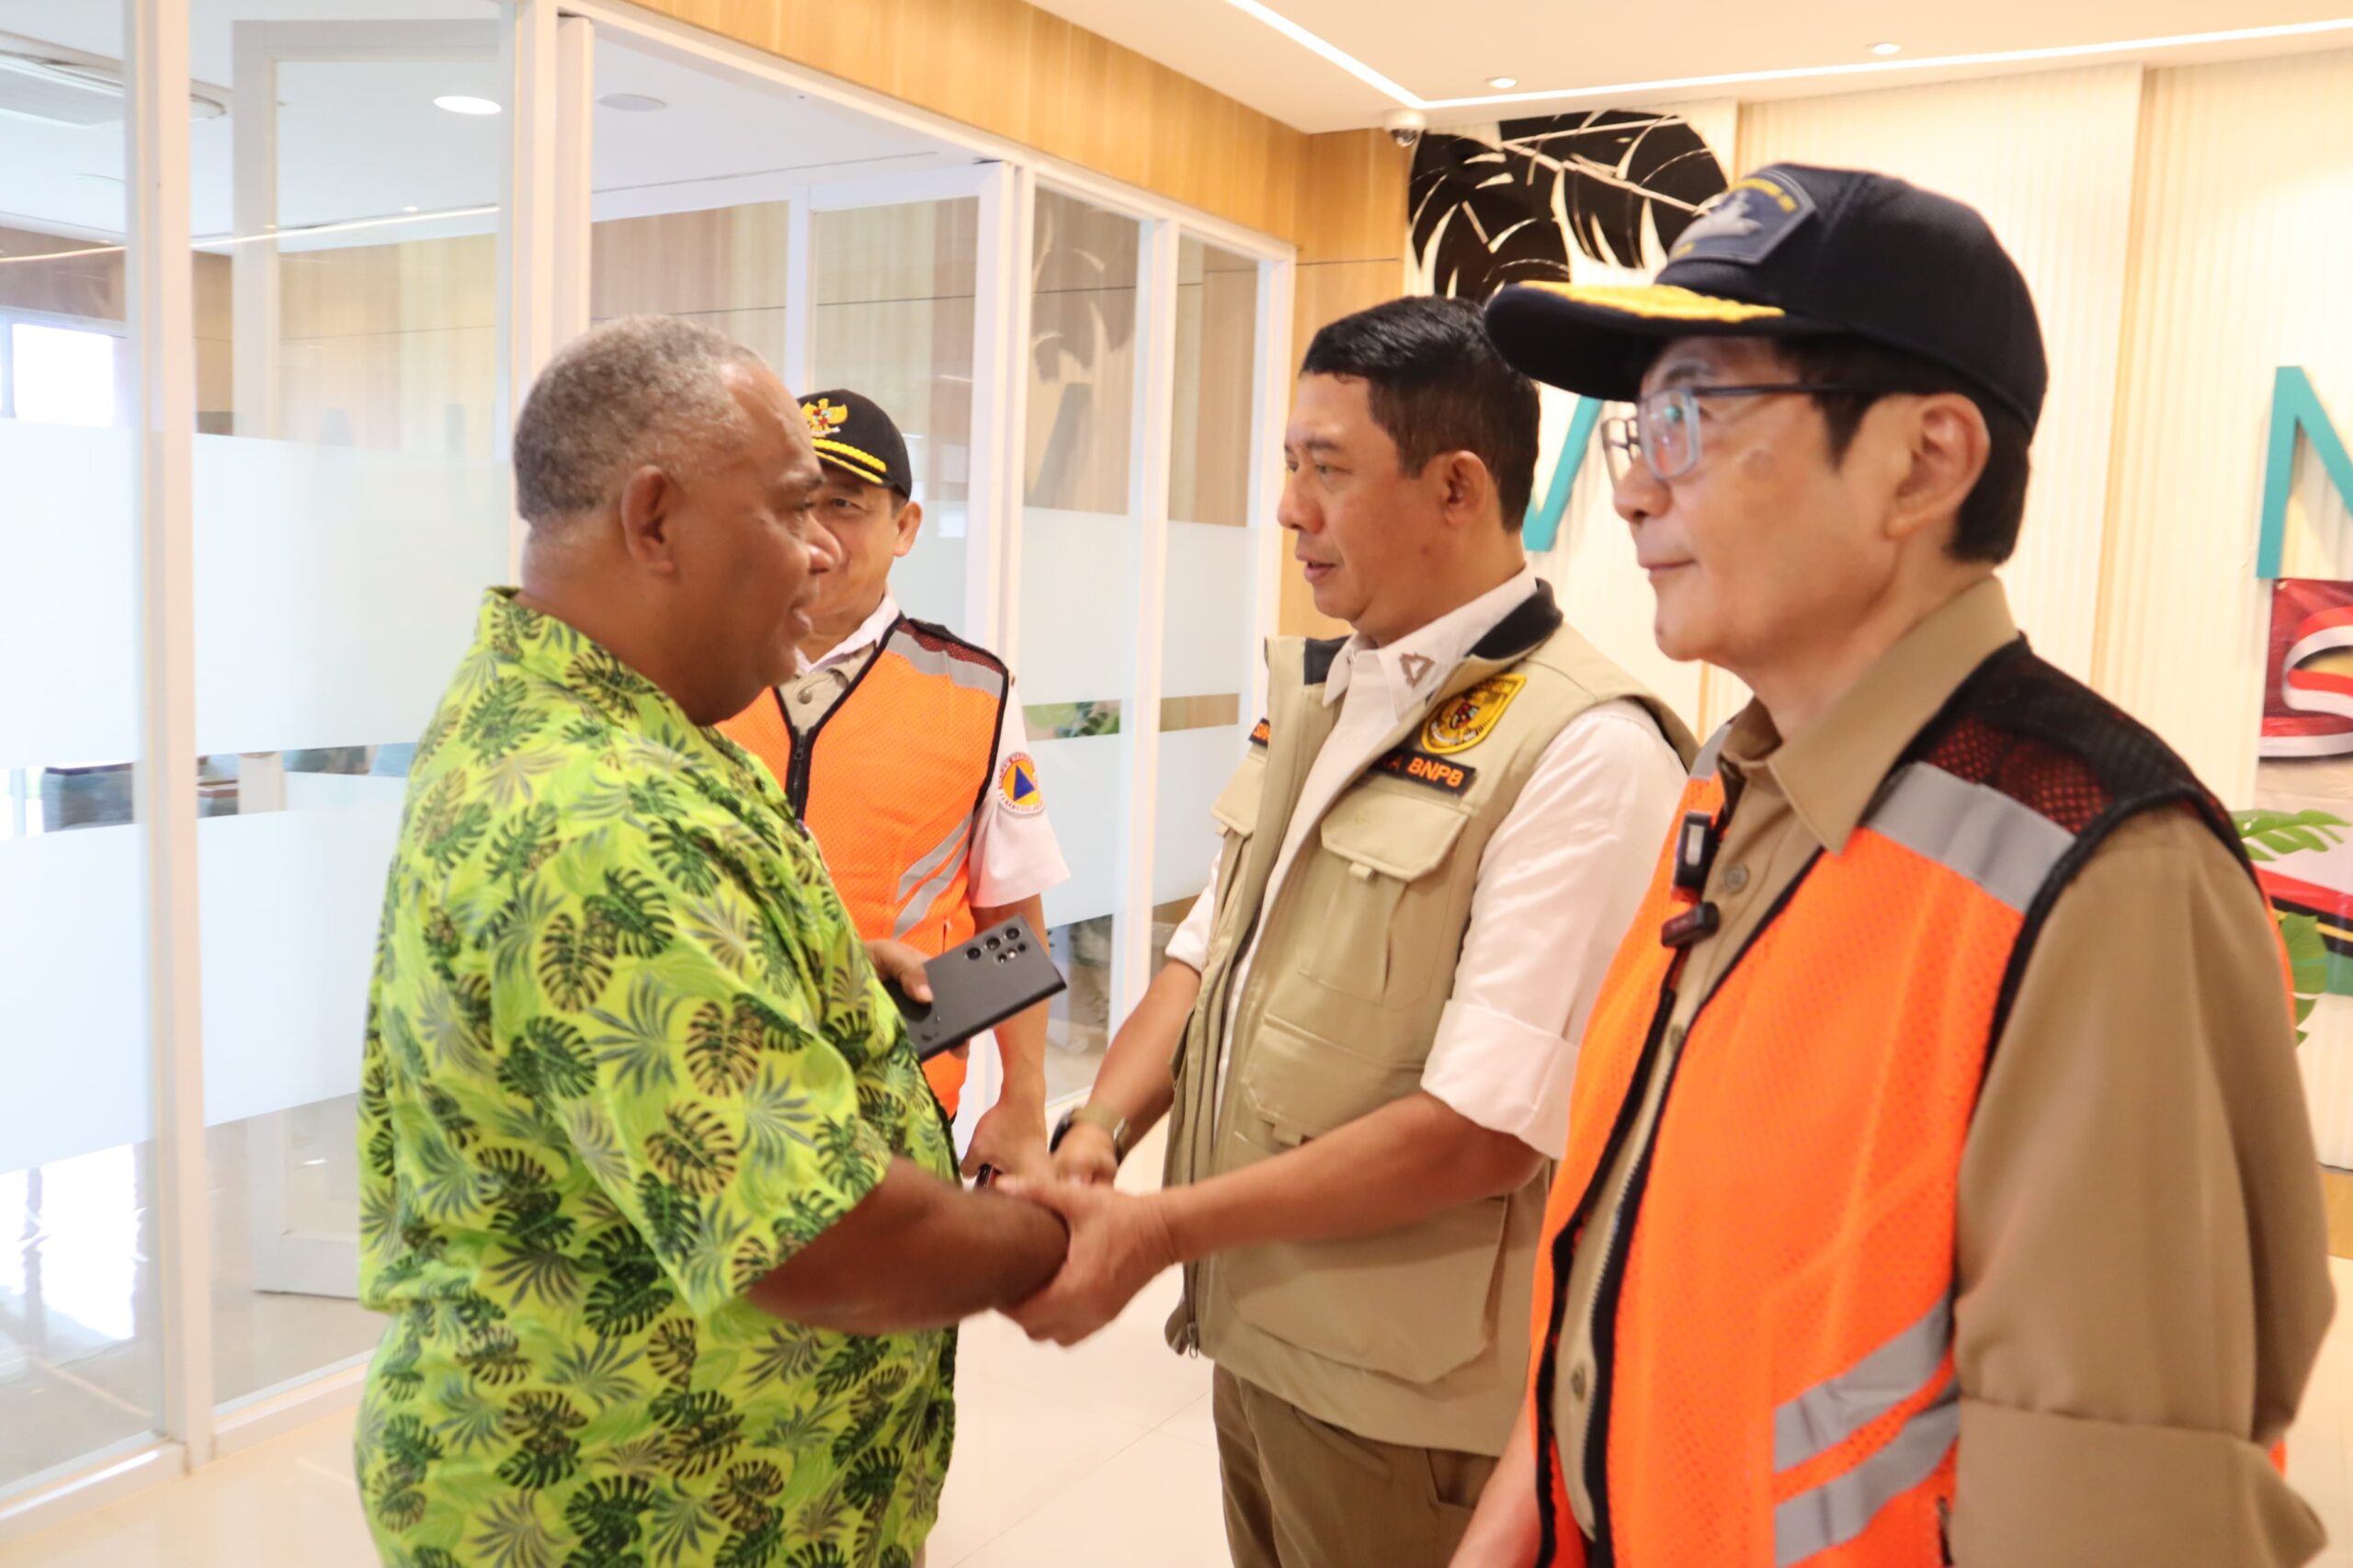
{"x": 637, "y": 390}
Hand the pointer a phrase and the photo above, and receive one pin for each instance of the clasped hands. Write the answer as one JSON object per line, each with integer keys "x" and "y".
{"x": 1119, "y": 1241}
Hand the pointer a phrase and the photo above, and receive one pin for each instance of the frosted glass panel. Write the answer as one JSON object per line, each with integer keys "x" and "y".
{"x": 289, "y": 901}
{"x": 1194, "y": 767}
{"x": 349, "y": 511}
{"x": 1081, "y": 782}
{"x": 80, "y": 1334}
{"x": 335, "y": 588}
{"x": 1077, "y": 627}
{"x": 1210, "y": 624}
{"x": 73, "y": 955}
{"x": 69, "y": 629}
{"x": 930, "y": 582}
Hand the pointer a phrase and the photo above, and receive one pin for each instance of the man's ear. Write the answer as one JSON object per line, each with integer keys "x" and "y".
{"x": 1468, "y": 490}
{"x": 910, "y": 524}
{"x": 647, "y": 500}
{"x": 1948, "y": 447}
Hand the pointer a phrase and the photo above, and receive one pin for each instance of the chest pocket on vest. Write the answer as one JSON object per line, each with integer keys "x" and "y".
{"x": 1375, "y": 900}
{"x": 1236, "y": 812}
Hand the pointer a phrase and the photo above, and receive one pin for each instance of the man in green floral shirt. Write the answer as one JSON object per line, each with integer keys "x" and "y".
{"x": 654, "y": 1192}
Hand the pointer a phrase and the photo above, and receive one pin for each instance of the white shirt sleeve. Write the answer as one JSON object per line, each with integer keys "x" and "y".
{"x": 1558, "y": 887}
{"x": 1014, "y": 854}
{"x": 1191, "y": 944}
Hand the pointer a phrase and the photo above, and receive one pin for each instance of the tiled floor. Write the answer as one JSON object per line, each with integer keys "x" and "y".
{"x": 1100, "y": 1455}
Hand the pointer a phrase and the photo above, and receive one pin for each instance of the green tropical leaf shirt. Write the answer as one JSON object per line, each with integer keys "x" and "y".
{"x": 625, "y": 1054}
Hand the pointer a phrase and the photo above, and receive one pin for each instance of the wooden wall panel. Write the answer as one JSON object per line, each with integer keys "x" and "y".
{"x": 91, "y": 285}
{"x": 684, "y": 263}
{"x": 84, "y": 281}
{"x": 1083, "y": 356}
{"x": 1217, "y": 304}
{"x": 390, "y": 346}
{"x": 1351, "y": 255}
{"x": 1023, "y": 74}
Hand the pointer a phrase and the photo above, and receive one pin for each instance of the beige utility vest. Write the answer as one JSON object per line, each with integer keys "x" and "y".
{"x": 1417, "y": 1335}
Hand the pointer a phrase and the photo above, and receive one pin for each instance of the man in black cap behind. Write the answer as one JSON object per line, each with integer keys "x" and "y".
{"x": 903, "y": 749}
{"x": 1939, "y": 1183}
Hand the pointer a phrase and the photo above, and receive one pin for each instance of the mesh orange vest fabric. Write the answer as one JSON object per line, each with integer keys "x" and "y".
{"x": 889, "y": 784}
{"x": 1774, "y": 1381}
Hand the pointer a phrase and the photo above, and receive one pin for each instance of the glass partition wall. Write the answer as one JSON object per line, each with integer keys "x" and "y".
{"x": 253, "y": 409}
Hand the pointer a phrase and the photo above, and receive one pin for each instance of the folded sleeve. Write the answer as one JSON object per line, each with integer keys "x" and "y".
{"x": 2143, "y": 1280}
{"x": 1558, "y": 885}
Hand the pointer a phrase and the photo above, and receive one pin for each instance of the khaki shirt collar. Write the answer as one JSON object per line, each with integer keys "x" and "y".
{"x": 1830, "y": 773}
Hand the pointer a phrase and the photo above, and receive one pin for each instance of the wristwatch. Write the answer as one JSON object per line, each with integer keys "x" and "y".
{"x": 1110, "y": 1121}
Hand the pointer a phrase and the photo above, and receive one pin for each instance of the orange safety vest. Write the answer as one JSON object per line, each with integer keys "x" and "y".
{"x": 890, "y": 783}
{"x": 1773, "y": 1380}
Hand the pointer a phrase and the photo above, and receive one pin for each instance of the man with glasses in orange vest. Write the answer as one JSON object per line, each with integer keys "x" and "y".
{"x": 1938, "y": 1185}
{"x": 903, "y": 749}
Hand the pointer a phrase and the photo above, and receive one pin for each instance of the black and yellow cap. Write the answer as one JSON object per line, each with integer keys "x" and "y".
{"x": 852, "y": 433}
{"x": 1793, "y": 251}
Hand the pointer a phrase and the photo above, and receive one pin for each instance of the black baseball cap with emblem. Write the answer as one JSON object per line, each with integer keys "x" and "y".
{"x": 852, "y": 433}
{"x": 1793, "y": 251}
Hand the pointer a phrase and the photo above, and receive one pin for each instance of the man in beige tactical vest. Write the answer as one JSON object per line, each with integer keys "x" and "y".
{"x": 1367, "y": 1029}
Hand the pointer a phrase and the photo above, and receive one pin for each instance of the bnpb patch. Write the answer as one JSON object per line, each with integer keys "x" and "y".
{"x": 1259, "y": 737}
{"x": 1464, "y": 720}
{"x": 1017, "y": 783}
{"x": 1420, "y": 768}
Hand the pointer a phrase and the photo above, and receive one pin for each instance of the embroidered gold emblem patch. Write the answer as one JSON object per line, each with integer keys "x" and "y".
{"x": 1462, "y": 722}
{"x": 825, "y": 417}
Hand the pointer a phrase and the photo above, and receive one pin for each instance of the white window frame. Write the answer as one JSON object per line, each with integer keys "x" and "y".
{"x": 548, "y": 45}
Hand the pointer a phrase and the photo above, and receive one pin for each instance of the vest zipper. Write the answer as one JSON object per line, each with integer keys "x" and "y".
{"x": 1612, "y": 1280}
{"x": 1605, "y": 1312}
{"x": 804, "y": 746}
{"x": 1563, "y": 1257}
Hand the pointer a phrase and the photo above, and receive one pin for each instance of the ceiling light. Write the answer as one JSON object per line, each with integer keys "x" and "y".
{"x": 408, "y": 209}
{"x": 1503, "y": 84}
{"x": 1887, "y": 49}
{"x": 632, "y": 103}
{"x": 1329, "y": 50}
{"x": 458, "y": 103}
{"x": 2125, "y": 47}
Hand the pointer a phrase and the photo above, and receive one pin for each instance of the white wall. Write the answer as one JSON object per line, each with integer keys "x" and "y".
{"x": 2185, "y": 233}
{"x": 2242, "y": 253}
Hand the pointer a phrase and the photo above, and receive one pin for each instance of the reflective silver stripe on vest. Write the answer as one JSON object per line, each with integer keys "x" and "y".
{"x": 2007, "y": 848}
{"x": 929, "y": 878}
{"x": 1704, "y": 764}
{"x": 1843, "y": 1506}
{"x": 970, "y": 674}
{"x": 1836, "y": 1408}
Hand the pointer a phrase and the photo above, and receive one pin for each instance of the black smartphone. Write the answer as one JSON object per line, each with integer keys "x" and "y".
{"x": 978, "y": 985}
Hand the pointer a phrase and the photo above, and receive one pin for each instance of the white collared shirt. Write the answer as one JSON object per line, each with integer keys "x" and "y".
{"x": 1013, "y": 854}
{"x": 1558, "y": 883}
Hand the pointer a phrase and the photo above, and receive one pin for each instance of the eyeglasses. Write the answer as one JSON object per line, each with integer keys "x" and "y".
{"x": 1664, "y": 428}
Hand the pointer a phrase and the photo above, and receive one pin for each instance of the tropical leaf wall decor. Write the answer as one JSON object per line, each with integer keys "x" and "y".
{"x": 1615, "y": 186}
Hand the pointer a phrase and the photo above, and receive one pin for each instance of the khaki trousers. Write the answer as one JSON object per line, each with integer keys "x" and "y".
{"x": 1304, "y": 1494}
